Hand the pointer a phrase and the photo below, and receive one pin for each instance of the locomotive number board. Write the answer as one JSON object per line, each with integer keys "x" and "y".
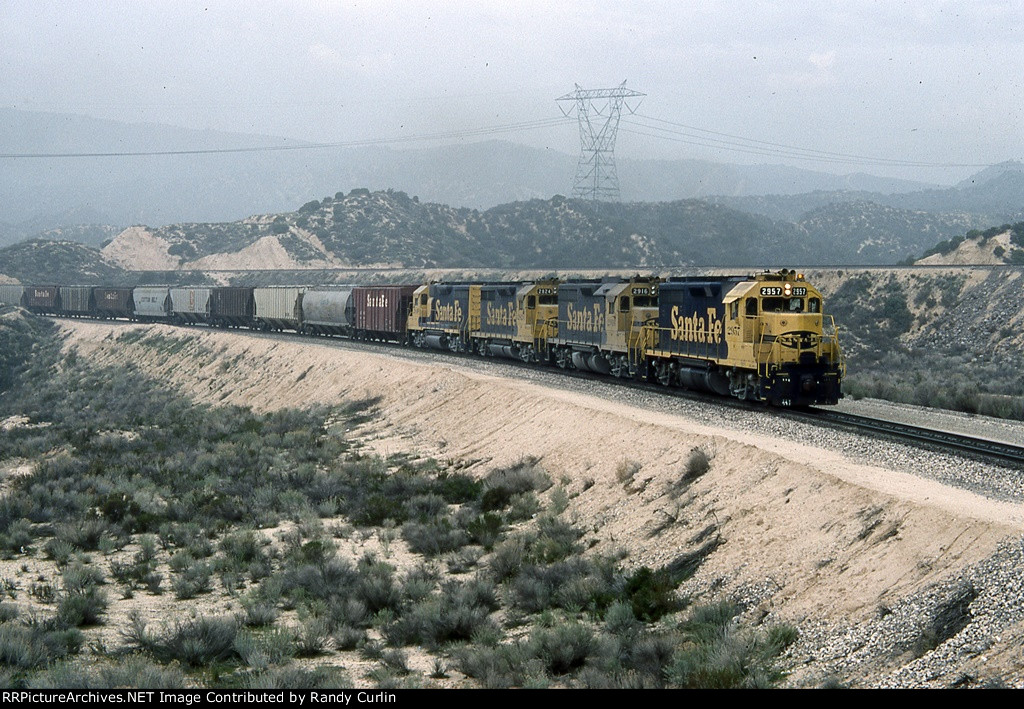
{"x": 770, "y": 291}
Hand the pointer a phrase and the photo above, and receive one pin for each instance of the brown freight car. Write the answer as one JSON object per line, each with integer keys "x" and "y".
{"x": 76, "y": 301}
{"x": 382, "y": 311}
{"x": 42, "y": 299}
{"x": 232, "y": 306}
{"x": 114, "y": 302}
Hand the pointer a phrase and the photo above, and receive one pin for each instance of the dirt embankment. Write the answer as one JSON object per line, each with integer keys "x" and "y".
{"x": 808, "y": 536}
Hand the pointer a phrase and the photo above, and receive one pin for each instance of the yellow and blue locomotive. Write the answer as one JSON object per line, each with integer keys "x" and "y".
{"x": 763, "y": 337}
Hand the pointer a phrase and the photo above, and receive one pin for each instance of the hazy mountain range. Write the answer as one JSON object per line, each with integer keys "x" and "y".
{"x": 480, "y": 204}
{"x": 37, "y": 194}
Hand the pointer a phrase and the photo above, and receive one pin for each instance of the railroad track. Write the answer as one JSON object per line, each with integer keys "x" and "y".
{"x": 982, "y": 449}
{"x": 978, "y": 448}
{"x": 985, "y": 450}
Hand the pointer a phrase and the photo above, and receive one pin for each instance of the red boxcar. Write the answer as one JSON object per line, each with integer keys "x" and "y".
{"x": 382, "y": 311}
{"x": 42, "y": 299}
{"x": 114, "y": 302}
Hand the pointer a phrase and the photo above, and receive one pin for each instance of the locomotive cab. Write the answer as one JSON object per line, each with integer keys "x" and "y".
{"x": 764, "y": 338}
{"x": 780, "y": 335}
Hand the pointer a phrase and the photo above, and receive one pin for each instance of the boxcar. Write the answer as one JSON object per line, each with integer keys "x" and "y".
{"x": 327, "y": 311}
{"x": 232, "y": 306}
{"x": 381, "y": 312}
{"x": 152, "y": 302}
{"x": 11, "y": 294}
{"x": 76, "y": 300}
{"x": 190, "y": 304}
{"x": 277, "y": 308}
{"x": 113, "y": 302}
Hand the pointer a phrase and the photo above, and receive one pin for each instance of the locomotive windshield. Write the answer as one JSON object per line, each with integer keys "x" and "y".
{"x": 782, "y": 305}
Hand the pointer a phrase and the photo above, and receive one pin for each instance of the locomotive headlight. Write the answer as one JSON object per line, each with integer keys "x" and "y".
{"x": 787, "y": 290}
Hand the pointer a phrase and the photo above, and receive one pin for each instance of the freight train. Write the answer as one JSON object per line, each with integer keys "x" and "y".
{"x": 762, "y": 337}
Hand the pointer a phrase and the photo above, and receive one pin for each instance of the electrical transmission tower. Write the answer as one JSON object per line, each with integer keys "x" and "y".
{"x": 598, "y": 112}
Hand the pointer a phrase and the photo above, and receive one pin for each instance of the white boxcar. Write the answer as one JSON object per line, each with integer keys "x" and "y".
{"x": 277, "y": 308}
{"x": 151, "y": 302}
{"x": 190, "y": 304}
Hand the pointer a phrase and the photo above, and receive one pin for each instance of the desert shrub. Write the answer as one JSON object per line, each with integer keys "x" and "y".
{"x": 34, "y": 645}
{"x": 556, "y": 540}
{"x": 434, "y": 537}
{"x": 457, "y": 489}
{"x": 652, "y": 594}
{"x": 292, "y": 677}
{"x": 697, "y": 464}
{"x": 243, "y": 550}
{"x": 503, "y": 483}
{"x": 508, "y": 558}
{"x": 485, "y": 529}
{"x": 562, "y": 649}
{"x": 257, "y": 612}
{"x": 261, "y": 650}
{"x": 498, "y": 667}
{"x": 82, "y": 607}
{"x": 194, "y": 580}
{"x": 574, "y": 584}
{"x": 425, "y": 507}
{"x": 194, "y": 642}
{"x": 348, "y": 638}
{"x": 132, "y": 672}
{"x": 463, "y": 560}
{"x": 312, "y": 637}
{"x": 376, "y": 586}
{"x": 619, "y": 619}
{"x": 419, "y": 582}
{"x": 17, "y": 538}
{"x": 335, "y": 578}
{"x": 647, "y": 655}
{"x": 79, "y": 577}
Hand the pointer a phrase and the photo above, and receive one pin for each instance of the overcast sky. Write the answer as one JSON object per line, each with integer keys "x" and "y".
{"x": 928, "y": 81}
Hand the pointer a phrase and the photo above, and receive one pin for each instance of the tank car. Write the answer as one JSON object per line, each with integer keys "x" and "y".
{"x": 326, "y": 310}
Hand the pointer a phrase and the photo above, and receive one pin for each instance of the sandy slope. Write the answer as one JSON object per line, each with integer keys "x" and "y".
{"x": 828, "y": 537}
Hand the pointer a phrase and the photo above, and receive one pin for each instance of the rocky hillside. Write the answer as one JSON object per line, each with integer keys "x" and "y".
{"x": 390, "y": 228}
{"x": 393, "y": 229}
{"x": 45, "y": 261}
{"x": 997, "y": 245}
{"x": 949, "y": 338}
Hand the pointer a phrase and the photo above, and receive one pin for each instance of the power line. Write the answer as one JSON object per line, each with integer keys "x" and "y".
{"x": 693, "y": 135}
{"x": 421, "y": 137}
